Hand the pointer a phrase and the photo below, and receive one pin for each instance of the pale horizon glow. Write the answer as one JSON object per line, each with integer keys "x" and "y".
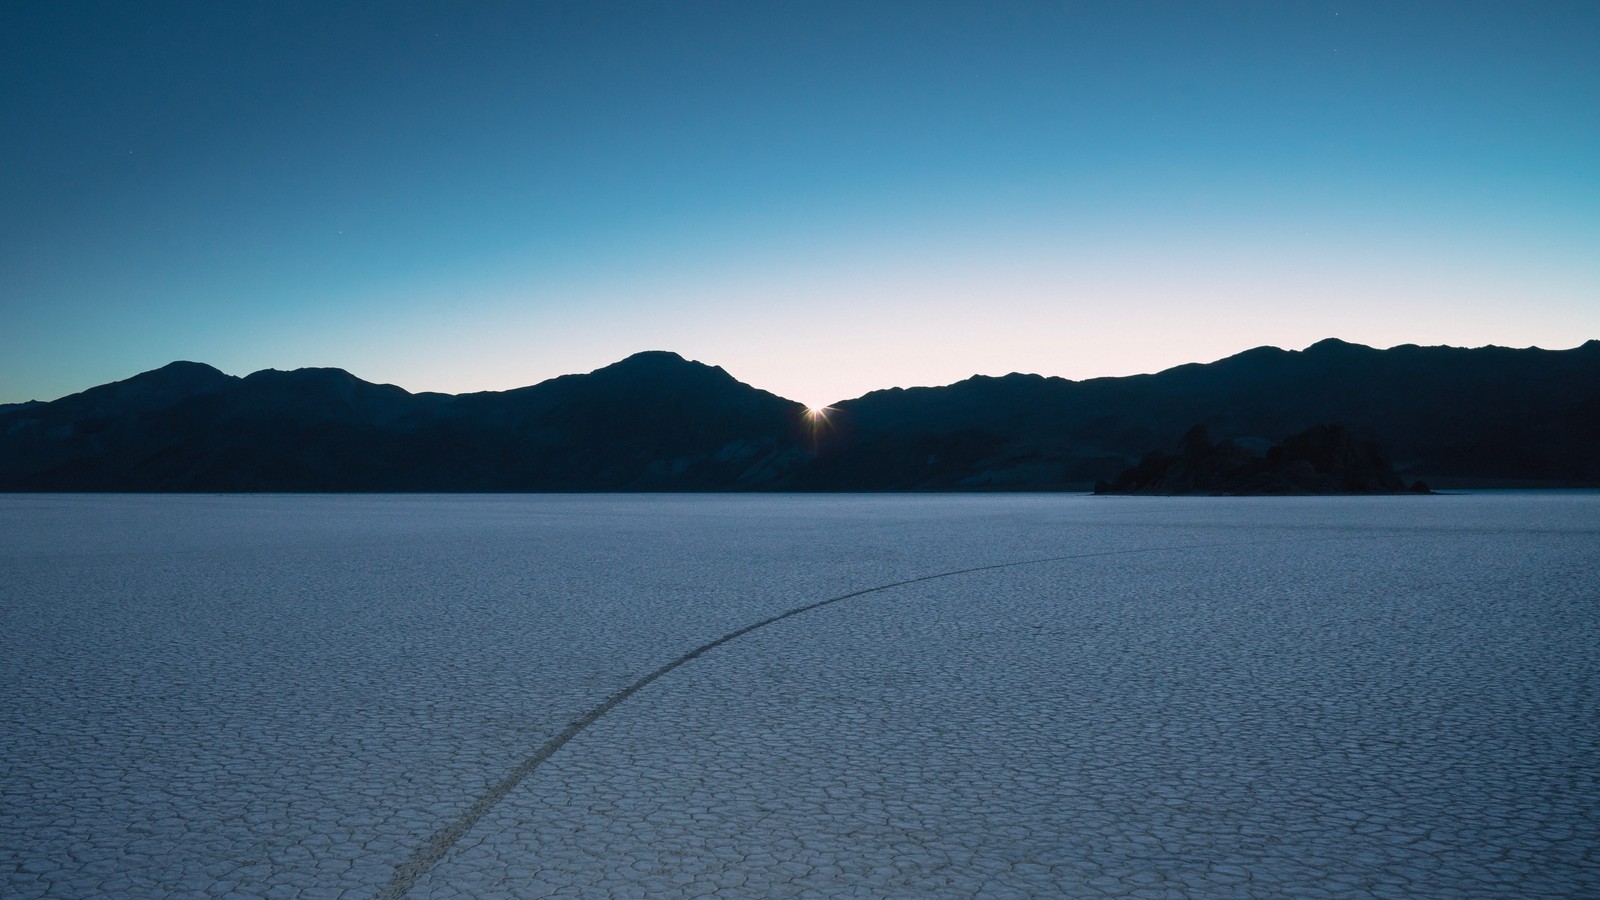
{"x": 824, "y": 201}
{"x": 818, "y": 410}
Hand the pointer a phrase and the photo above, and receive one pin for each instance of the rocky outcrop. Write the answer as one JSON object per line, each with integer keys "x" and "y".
{"x": 1323, "y": 459}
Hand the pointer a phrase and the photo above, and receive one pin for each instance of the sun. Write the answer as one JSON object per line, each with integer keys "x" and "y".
{"x": 816, "y": 423}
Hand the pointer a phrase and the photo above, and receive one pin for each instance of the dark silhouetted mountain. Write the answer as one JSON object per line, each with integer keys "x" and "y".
{"x": 651, "y": 422}
{"x": 1324, "y": 459}
{"x": 657, "y": 422}
{"x": 1490, "y": 415}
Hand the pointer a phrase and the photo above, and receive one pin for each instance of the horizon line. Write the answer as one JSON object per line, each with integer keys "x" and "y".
{"x": 1322, "y": 341}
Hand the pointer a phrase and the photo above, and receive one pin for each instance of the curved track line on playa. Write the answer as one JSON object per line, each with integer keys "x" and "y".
{"x": 427, "y": 856}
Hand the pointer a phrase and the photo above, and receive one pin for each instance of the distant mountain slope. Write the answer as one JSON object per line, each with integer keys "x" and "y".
{"x": 656, "y": 421}
{"x": 1326, "y": 459}
{"x": 651, "y": 422}
{"x": 1490, "y": 414}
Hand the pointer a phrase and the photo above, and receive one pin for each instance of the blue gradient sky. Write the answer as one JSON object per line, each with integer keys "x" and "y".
{"x": 824, "y": 199}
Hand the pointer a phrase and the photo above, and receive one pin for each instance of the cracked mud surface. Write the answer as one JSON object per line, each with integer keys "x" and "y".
{"x": 295, "y": 696}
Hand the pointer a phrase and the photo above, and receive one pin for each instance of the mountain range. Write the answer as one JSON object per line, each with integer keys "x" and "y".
{"x": 1488, "y": 416}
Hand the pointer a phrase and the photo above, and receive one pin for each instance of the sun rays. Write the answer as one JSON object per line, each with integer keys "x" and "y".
{"x": 816, "y": 422}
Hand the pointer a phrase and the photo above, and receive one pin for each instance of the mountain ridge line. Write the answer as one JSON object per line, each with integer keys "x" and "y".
{"x": 656, "y": 421}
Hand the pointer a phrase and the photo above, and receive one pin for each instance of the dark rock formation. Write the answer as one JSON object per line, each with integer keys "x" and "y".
{"x": 1485, "y": 416}
{"x": 1324, "y": 459}
{"x": 657, "y": 422}
{"x": 652, "y": 422}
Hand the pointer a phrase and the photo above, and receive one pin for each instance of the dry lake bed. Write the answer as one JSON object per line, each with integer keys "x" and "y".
{"x": 1011, "y": 695}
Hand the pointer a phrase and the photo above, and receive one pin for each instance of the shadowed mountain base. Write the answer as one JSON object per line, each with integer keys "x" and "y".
{"x": 1323, "y": 459}
{"x": 1487, "y": 416}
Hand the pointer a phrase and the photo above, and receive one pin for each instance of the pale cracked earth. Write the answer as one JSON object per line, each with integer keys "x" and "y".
{"x": 450, "y": 696}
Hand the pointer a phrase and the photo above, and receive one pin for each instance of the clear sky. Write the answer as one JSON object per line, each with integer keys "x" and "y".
{"x": 822, "y": 198}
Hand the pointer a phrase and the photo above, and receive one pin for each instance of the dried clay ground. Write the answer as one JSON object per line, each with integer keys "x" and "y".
{"x": 448, "y": 696}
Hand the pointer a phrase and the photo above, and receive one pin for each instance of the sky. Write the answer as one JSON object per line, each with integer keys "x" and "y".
{"x": 822, "y": 198}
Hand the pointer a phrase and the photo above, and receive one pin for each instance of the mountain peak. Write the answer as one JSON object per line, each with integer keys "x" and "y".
{"x": 305, "y": 374}
{"x": 186, "y": 365}
{"x": 154, "y": 389}
{"x": 181, "y": 377}
{"x": 653, "y": 358}
{"x": 657, "y": 363}
{"x": 1334, "y": 345}
{"x": 183, "y": 371}
{"x": 663, "y": 355}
